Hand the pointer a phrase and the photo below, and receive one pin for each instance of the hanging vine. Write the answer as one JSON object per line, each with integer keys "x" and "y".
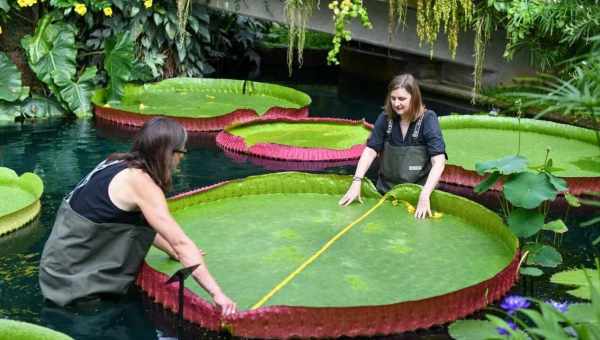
{"x": 297, "y": 13}
{"x": 397, "y": 15}
{"x": 483, "y": 30}
{"x": 451, "y": 15}
{"x": 183, "y": 12}
{"x": 343, "y": 12}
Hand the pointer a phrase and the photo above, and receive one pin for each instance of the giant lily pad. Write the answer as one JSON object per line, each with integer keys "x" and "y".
{"x": 19, "y": 199}
{"x": 472, "y": 139}
{"x": 306, "y": 139}
{"x": 18, "y": 330}
{"x": 298, "y": 264}
{"x": 202, "y": 104}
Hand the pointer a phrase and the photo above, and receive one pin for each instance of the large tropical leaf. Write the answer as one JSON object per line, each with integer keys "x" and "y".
{"x": 51, "y": 51}
{"x": 10, "y": 80}
{"x": 118, "y": 63}
{"x": 9, "y": 111}
{"x": 77, "y": 94}
{"x": 528, "y": 190}
{"x": 41, "y": 107}
{"x": 4, "y": 5}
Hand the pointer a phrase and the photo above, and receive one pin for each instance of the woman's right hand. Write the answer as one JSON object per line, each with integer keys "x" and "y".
{"x": 352, "y": 194}
{"x": 226, "y": 305}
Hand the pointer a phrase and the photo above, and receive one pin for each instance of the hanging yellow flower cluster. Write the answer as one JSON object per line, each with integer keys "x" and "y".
{"x": 343, "y": 11}
{"x": 107, "y": 11}
{"x": 26, "y": 3}
{"x": 432, "y": 15}
{"x": 297, "y": 13}
{"x": 148, "y": 3}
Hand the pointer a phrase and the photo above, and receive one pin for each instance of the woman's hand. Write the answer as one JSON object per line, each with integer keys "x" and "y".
{"x": 226, "y": 305}
{"x": 352, "y": 194}
{"x": 423, "y": 207}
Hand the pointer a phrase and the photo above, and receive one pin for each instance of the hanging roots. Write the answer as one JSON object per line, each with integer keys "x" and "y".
{"x": 297, "y": 13}
{"x": 397, "y": 15}
{"x": 183, "y": 12}
{"x": 483, "y": 31}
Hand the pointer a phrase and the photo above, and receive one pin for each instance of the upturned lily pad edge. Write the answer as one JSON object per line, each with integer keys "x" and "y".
{"x": 28, "y": 182}
{"x": 297, "y": 321}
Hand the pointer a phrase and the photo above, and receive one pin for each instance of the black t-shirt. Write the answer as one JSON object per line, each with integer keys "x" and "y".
{"x": 92, "y": 201}
{"x": 430, "y": 134}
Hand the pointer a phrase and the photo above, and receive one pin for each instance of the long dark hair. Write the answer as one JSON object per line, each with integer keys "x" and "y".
{"x": 153, "y": 149}
{"x": 409, "y": 83}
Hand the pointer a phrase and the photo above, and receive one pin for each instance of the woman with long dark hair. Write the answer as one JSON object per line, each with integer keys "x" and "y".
{"x": 106, "y": 225}
{"x": 409, "y": 140}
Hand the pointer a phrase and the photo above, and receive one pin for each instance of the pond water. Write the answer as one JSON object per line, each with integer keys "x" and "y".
{"x": 61, "y": 152}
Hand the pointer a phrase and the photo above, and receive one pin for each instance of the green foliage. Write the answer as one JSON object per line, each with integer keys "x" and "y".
{"x": 343, "y": 12}
{"x": 18, "y": 330}
{"x": 582, "y": 279}
{"x": 51, "y": 54}
{"x": 472, "y": 330}
{"x": 10, "y": 81}
{"x": 118, "y": 64}
{"x": 277, "y": 36}
{"x": 524, "y": 201}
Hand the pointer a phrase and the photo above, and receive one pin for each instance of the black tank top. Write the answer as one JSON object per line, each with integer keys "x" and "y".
{"x": 92, "y": 200}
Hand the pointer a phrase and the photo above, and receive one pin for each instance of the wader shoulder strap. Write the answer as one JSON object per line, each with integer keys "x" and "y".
{"x": 415, "y": 133}
{"x": 103, "y": 165}
{"x": 388, "y": 131}
{"x": 417, "y": 129}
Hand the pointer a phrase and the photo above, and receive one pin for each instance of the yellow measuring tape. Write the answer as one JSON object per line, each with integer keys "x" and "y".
{"x": 306, "y": 263}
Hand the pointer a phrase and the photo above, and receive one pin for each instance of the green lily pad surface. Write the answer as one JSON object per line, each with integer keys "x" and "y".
{"x": 315, "y": 134}
{"x": 204, "y": 98}
{"x": 471, "y": 139}
{"x": 19, "y": 199}
{"x": 257, "y": 231}
{"x": 18, "y": 330}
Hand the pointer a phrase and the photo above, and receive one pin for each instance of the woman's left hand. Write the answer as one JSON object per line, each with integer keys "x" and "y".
{"x": 423, "y": 207}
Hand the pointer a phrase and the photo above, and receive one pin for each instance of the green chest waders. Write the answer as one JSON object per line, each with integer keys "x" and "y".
{"x": 82, "y": 258}
{"x": 404, "y": 163}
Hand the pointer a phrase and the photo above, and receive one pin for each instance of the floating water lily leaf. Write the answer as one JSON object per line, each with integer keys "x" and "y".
{"x": 472, "y": 330}
{"x": 10, "y": 80}
{"x": 525, "y": 222}
{"x": 531, "y": 271}
{"x": 557, "y": 226}
{"x": 505, "y": 166}
{"x": 528, "y": 190}
{"x": 578, "y": 278}
{"x": 543, "y": 255}
{"x": 19, "y": 330}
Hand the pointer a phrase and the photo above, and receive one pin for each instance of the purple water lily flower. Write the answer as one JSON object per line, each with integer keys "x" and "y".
{"x": 560, "y": 306}
{"x": 504, "y": 331}
{"x": 513, "y": 303}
